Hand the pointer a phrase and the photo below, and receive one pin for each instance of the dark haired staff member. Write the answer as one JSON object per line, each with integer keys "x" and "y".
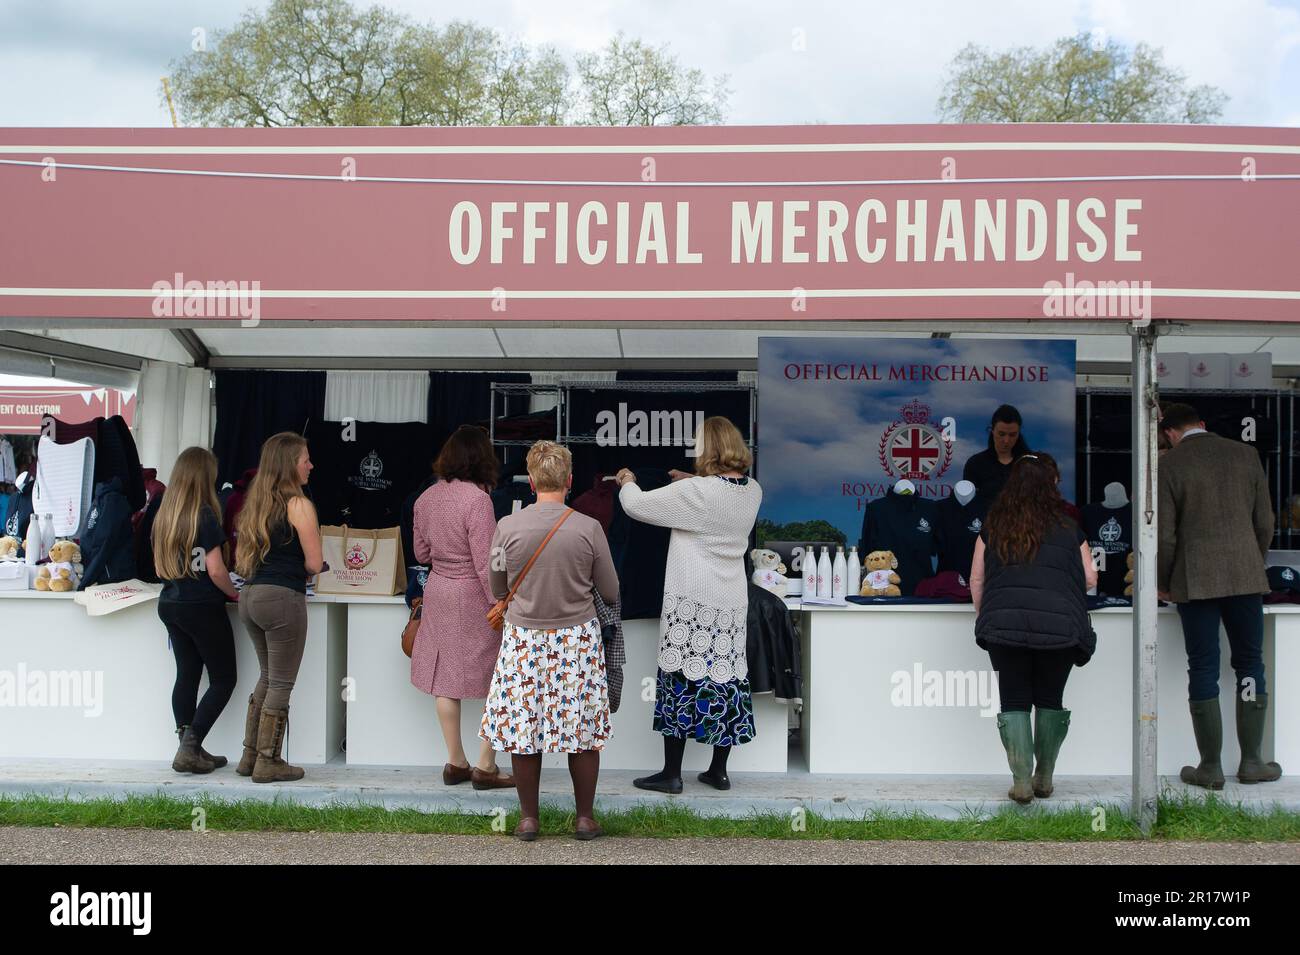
{"x": 989, "y": 469}
{"x": 1216, "y": 523}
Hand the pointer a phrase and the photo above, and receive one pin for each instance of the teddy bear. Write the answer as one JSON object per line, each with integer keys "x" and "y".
{"x": 769, "y": 571}
{"x": 8, "y": 548}
{"x": 60, "y": 574}
{"x": 1128, "y": 577}
{"x": 878, "y": 578}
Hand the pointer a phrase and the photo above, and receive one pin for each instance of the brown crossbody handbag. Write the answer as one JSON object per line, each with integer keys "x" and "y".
{"x": 497, "y": 615}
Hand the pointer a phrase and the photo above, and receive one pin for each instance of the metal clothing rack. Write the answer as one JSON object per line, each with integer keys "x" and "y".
{"x": 514, "y": 389}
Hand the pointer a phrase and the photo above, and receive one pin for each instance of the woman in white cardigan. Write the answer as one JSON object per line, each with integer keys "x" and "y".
{"x": 703, "y": 686}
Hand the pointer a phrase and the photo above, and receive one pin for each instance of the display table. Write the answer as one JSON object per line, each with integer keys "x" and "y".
{"x": 391, "y": 723}
{"x": 904, "y": 689}
{"x": 120, "y": 664}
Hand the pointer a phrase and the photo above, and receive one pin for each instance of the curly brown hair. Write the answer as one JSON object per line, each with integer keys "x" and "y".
{"x": 1028, "y": 509}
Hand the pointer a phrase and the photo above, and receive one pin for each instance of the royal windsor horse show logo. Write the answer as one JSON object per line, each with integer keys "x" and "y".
{"x": 914, "y": 448}
{"x": 356, "y": 557}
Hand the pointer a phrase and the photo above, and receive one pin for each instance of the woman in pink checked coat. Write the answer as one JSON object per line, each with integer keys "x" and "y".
{"x": 455, "y": 649}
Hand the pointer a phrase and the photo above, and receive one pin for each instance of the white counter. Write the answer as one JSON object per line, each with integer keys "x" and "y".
{"x": 354, "y": 682}
{"x": 120, "y": 664}
{"x": 391, "y": 723}
{"x": 888, "y": 689}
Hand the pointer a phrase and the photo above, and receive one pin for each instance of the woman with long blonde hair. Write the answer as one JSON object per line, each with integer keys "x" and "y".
{"x": 279, "y": 549}
{"x": 187, "y": 539}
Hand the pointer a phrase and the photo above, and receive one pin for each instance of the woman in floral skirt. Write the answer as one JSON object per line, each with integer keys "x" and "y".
{"x": 548, "y": 692}
{"x": 703, "y": 688}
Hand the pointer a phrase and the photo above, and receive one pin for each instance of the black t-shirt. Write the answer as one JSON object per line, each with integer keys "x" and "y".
{"x": 1111, "y": 529}
{"x": 987, "y": 473}
{"x": 284, "y": 565}
{"x": 199, "y": 587}
{"x": 364, "y": 473}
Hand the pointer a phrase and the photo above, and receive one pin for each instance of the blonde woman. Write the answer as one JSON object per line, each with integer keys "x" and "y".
{"x": 549, "y": 693}
{"x": 187, "y": 539}
{"x": 702, "y": 690}
{"x": 279, "y": 549}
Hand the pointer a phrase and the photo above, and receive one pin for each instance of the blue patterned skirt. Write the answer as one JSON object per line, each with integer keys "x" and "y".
{"x": 712, "y": 713}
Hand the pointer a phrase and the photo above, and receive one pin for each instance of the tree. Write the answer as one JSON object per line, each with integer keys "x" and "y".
{"x": 327, "y": 63}
{"x": 632, "y": 84}
{"x": 1073, "y": 81}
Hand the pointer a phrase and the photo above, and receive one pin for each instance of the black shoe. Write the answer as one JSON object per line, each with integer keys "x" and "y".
{"x": 717, "y": 782}
{"x": 660, "y": 784}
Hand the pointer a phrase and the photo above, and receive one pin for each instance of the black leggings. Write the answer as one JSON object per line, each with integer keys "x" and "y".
{"x": 1031, "y": 677}
{"x": 200, "y": 637}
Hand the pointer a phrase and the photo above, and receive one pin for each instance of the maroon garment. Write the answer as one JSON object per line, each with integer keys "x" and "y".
{"x": 455, "y": 649}
{"x": 152, "y": 488}
{"x": 235, "y": 504}
{"x": 948, "y": 584}
{"x": 598, "y": 502}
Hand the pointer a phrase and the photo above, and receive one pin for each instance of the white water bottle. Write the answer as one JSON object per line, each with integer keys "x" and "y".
{"x": 824, "y": 573}
{"x": 809, "y": 571}
{"x": 839, "y": 575}
{"x": 32, "y": 545}
{"x": 854, "y": 582}
{"x": 47, "y": 535}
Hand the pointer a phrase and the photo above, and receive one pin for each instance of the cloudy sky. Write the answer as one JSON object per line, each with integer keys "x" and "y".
{"x": 66, "y": 63}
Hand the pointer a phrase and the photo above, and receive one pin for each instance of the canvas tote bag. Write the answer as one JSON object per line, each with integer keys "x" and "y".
{"x": 368, "y": 562}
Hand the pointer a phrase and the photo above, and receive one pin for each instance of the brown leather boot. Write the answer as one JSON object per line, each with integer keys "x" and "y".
{"x": 189, "y": 757}
{"x": 217, "y": 761}
{"x": 251, "y": 720}
{"x": 270, "y": 768}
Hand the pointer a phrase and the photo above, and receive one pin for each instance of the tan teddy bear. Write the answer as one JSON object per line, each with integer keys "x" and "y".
{"x": 1128, "y": 577}
{"x": 59, "y": 575}
{"x": 878, "y": 578}
{"x": 8, "y": 548}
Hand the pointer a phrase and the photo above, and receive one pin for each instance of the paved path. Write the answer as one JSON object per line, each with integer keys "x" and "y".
{"x": 97, "y": 846}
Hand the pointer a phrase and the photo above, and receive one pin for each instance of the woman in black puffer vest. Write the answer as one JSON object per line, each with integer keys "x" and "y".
{"x": 1029, "y": 580}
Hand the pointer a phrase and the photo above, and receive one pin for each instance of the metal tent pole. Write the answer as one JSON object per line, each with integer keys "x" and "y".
{"x": 1146, "y": 414}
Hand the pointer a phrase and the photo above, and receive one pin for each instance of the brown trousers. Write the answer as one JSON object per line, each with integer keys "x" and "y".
{"x": 276, "y": 620}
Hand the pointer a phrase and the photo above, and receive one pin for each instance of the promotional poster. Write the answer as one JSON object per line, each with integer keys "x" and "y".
{"x": 843, "y": 420}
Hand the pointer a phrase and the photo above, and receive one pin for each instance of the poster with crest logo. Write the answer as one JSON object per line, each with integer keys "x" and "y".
{"x": 842, "y": 420}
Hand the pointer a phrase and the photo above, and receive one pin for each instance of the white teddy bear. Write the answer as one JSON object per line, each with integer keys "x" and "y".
{"x": 769, "y": 571}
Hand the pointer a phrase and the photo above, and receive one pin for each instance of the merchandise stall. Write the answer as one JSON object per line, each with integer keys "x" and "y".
{"x": 567, "y": 254}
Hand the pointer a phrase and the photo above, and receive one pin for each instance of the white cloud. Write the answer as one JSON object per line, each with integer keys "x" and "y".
{"x": 64, "y": 63}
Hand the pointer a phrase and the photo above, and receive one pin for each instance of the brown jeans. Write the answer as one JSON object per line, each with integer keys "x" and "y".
{"x": 276, "y": 619}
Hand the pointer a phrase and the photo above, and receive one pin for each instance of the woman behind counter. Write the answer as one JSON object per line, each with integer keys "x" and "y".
{"x": 279, "y": 549}
{"x": 1029, "y": 577}
{"x": 187, "y": 539}
{"x": 455, "y": 649}
{"x": 702, "y": 690}
{"x": 549, "y": 693}
{"x": 989, "y": 469}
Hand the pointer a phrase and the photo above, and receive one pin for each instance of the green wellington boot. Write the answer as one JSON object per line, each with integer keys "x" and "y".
{"x": 1018, "y": 741}
{"x": 1050, "y": 727}
{"x": 1250, "y": 734}
{"x": 1207, "y": 724}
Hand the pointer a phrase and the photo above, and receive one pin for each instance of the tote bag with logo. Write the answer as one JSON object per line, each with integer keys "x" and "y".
{"x": 366, "y": 562}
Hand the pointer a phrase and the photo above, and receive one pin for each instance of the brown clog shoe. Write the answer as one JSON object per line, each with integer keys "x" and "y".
{"x": 527, "y": 829}
{"x": 455, "y": 775}
{"x": 587, "y": 833}
{"x": 493, "y": 780}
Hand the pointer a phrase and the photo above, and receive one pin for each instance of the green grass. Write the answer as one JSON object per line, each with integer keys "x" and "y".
{"x": 1180, "y": 818}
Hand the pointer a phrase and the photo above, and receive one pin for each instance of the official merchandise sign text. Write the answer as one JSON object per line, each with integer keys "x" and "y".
{"x": 659, "y": 224}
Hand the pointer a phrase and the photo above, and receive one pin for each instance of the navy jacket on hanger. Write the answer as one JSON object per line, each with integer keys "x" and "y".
{"x": 904, "y": 524}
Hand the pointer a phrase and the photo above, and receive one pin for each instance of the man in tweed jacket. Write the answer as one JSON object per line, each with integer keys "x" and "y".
{"x": 1216, "y": 523}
